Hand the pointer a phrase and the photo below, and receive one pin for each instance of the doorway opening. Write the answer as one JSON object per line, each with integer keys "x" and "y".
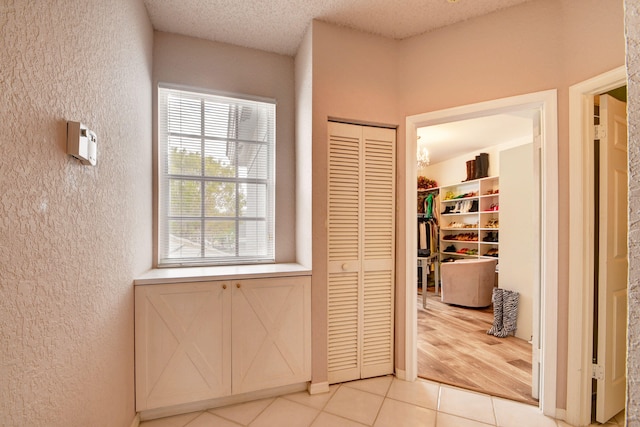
{"x": 545, "y": 357}
{"x": 611, "y": 260}
{"x": 588, "y": 283}
{"x": 483, "y": 227}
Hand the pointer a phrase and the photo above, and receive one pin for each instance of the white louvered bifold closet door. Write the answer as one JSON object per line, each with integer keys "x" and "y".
{"x": 379, "y": 250}
{"x": 361, "y": 244}
{"x": 344, "y": 242}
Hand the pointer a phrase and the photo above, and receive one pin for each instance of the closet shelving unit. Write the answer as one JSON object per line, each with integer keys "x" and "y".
{"x": 469, "y": 219}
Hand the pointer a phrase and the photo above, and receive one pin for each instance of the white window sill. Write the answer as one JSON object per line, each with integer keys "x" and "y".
{"x": 228, "y": 272}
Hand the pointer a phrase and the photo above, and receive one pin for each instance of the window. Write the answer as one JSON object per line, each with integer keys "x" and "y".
{"x": 216, "y": 185}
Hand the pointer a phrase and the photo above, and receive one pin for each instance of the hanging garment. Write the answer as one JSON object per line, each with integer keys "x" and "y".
{"x": 423, "y": 235}
{"x": 428, "y": 206}
{"x": 433, "y": 226}
{"x": 428, "y": 226}
{"x": 424, "y": 238}
{"x": 427, "y": 236}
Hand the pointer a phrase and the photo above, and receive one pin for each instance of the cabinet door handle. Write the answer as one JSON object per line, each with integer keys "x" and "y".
{"x": 345, "y": 266}
{"x": 238, "y": 285}
{"x": 224, "y": 286}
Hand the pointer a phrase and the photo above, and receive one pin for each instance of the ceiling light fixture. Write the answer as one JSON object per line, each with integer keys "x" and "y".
{"x": 423, "y": 156}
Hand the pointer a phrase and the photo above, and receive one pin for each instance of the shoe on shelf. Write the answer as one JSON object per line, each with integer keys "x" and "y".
{"x": 491, "y": 237}
{"x": 493, "y": 252}
{"x": 492, "y": 223}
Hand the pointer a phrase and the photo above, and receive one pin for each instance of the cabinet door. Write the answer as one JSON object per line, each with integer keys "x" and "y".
{"x": 183, "y": 343}
{"x": 271, "y": 332}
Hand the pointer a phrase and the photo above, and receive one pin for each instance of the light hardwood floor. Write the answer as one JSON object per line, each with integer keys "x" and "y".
{"x": 454, "y": 349}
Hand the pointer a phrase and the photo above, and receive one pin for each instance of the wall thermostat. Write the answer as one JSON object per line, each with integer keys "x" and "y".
{"x": 82, "y": 143}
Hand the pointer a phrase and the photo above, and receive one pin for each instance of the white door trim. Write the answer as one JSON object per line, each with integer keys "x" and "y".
{"x": 581, "y": 240}
{"x": 546, "y": 101}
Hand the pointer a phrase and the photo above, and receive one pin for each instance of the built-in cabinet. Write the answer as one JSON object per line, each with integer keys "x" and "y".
{"x": 204, "y": 340}
{"x": 360, "y": 251}
{"x": 469, "y": 219}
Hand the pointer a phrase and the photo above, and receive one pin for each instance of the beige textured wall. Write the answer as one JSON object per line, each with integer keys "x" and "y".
{"x": 72, "y": 237}
{"x": 304, "y": 161}
{"x": 226, "y": 68}
{"x": 632, "y": 26}
{"x": 353, "y": 78}
{"x": 532, "y": 47}
{"x": 539, "y": 45}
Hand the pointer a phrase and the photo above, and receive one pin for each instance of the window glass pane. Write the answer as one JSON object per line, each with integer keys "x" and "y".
{"x": 253, "y": 238}
{"x": 220, "y": 238}
{"x": 220, "y": 199}
{"x": 185, "y": 198}
{"x": 254, "y": 197}
{"x": 216, "y": 119}
{"x": 253, "y": 121}
{"x": 184, "y": 239}
{"x": 184, "y": 115}
{"x": 184, "y": 156}
{"x": 216, "y": 187}
{"x": 218, "y": 163}
{"x": 253, "y": 160}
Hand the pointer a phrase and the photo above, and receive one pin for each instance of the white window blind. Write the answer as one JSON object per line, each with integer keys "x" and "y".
{"x": 216, "y": 186}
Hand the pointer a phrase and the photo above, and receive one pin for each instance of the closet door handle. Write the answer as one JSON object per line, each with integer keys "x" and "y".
{"x": 224, "y": 286}
{"x": 345, "y": 266}
{"x": 238, "y": 285}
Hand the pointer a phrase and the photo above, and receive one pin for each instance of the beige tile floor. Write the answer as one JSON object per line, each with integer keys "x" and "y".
{"x": 378, "y": 402}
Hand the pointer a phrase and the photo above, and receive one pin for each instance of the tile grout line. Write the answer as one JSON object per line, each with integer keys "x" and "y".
{"x": 384, "y": 399}
{"x": 201, "y": 414}
{"x": 464, "y": 417}
{"x": 336, "y": 415}
{"x": 438, "y": 405}
{"x": 210, "y": 411}
{"x": 325, "y": 405}
{"x": 493, "y": 410}
{"x": 263, "y": 410}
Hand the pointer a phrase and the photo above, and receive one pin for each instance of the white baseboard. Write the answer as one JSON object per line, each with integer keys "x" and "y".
{"x": 184, "y": 408}
{"x": 317, "y": 388}
{"x": 136, "y": 421}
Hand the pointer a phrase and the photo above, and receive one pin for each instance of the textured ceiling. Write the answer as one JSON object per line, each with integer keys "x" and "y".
{"x": 279, "y": 25}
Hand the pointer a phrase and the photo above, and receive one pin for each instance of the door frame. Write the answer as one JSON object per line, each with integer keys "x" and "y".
{"x": 581, "y": 241}
{"x": 546, "y": 101}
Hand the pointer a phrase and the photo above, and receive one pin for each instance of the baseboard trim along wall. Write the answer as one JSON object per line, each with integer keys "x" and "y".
{"x": 318, "y": 388}
{"x": 168, "y": 411}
